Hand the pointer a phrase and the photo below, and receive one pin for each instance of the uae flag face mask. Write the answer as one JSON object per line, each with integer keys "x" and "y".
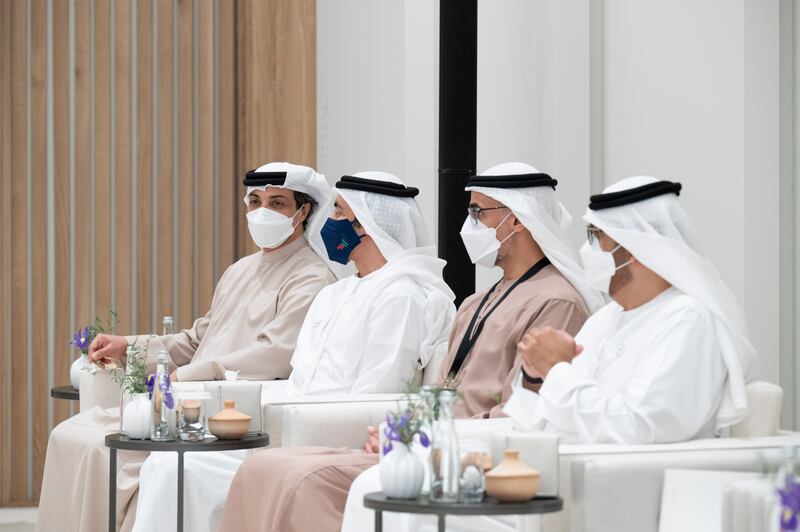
{"x": 340, "y": 239}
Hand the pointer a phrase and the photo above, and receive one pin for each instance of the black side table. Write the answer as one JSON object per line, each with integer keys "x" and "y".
{"x": 118, "y": 441}
{"x": 65, "y": 392}
{"x": 421, "y": 505}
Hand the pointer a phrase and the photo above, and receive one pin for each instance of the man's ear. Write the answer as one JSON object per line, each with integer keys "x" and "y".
{"x": 305, "y": 212}
{"x": 517, "y": 225}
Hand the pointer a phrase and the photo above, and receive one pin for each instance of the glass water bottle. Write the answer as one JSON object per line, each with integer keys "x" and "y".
{"x": 427, "y": 395}
{"x": 446, "y": 458}
{"x": 163, "y": 401}
{"x": 168, "y": 324}
{"x": 132, "y": 353}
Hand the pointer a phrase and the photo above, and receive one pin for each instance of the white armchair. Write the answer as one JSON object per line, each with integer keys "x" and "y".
{"x": 618, "y": 487}
{"x": 333, "y": 420}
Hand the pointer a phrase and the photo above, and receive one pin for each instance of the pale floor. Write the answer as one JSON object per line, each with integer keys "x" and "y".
{"x": 17, "y": 519}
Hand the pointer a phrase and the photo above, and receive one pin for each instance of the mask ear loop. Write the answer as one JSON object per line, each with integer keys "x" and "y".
{"x": 501, "y": 223}
{"x": 294, "y": 225}
{"x": 618, "y": 268}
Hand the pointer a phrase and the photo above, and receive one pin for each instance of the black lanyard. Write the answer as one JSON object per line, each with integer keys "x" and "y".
{"x": 469, "y": 339}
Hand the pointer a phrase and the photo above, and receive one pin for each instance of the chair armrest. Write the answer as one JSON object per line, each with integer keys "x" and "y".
{"x": 330, "y": 424}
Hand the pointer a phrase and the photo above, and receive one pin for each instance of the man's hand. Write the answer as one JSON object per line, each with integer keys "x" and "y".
{"x": 541, "y": 349}
{"x": 372, "y": 445}
{"x": 106, "y": 347}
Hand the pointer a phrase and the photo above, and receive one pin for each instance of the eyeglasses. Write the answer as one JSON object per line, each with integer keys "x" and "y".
{"x": 475, "y": 212}
{"x": 592, "y": 234}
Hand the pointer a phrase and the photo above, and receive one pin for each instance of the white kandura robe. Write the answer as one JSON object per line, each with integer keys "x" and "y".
{"x": 256, "y": 314}
{"x": 654, "y": 374}
{"x": 361, "y": 335}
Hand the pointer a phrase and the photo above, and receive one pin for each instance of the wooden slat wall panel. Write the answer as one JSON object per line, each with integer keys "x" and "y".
{"x": 228, "y": 180}
{"x": 20, "y": 450}
{"x": 279, "y": 124}
{"x": 5, "y": 249}
{"x": 122, "y": 168}
{"x": 82, "y": 127}
{"x": 38, "y": 380}
{"x": 205, "y": 126}
{"x": 128, "y": 116}
{"x": 62, "y": 204}
{"x": 103, "y": 202}
{"x": 145, "y": 142}
{"x": 187, "y": 186}
{"x": 164, "y": 151}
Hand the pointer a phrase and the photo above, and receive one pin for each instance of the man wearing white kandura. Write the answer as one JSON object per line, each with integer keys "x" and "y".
{"x": 367, "y": 333}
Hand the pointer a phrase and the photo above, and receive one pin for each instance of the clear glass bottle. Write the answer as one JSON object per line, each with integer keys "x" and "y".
{"x": 446, "y": 466}
{"x": 163, "y": 401}
{"x": 131, "y": 353}
{"x": 427, "y": 396}
{"x": 168, "y": 324}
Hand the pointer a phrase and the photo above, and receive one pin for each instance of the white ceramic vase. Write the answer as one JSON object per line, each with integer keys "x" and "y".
{"x": 401, "y": 473}
{"x": 76, "y": 369}
{"x": 136, "y": 419}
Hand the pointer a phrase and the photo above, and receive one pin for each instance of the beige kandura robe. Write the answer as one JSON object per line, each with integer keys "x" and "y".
{"x": 300, "y": 489}
{"x": 258, "y": 308}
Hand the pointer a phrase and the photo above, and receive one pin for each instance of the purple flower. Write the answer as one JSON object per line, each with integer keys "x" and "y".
{"x": 788, "y": 519}
{"x": 163, "y": 385}
{"x": 387, "y": 447}
{"x": 150, "y": 381}
{"x": 423, "y": 439}
{"x": 790, "y": 502}
{"x": 82, "y": 338}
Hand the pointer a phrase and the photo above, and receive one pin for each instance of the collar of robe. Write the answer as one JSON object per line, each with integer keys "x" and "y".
{"x": 633, "y": 195}
{"x": 387, "y": 188}
{"x": 254, "y": 178}
{"x": 512, "y": 181}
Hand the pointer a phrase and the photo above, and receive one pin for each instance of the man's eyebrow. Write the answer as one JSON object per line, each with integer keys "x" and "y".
{"x": 275, "y": 195}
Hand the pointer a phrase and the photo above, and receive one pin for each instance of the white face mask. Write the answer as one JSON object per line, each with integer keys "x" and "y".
{"x": 599, "y": 266}
{"x": 481, "y": 241}
{"x": 270, "y": 229}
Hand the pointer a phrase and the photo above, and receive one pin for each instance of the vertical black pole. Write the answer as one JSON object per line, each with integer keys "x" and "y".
{"x": 458, "y": 79}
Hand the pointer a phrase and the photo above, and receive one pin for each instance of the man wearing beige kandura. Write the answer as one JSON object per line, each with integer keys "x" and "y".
{"x": 252, "y": 327}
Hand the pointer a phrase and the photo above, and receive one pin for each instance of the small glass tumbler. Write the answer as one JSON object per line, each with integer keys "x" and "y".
{"x": 192, "y": 417}
{"x": 475, "y": 461}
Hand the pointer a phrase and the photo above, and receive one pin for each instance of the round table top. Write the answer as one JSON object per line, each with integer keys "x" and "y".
{"x": 489, "y": 506}
{"x": 65, "y": 392}
{"x": 248, "y": 441}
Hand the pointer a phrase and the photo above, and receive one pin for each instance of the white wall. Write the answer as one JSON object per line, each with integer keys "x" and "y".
{"x": 378, "y": 91}
{"x": 592, "y": 91}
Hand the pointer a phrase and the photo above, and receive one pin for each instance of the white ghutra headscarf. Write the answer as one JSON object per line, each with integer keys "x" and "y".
{"x": 657, "y": 231}
{"x": 396, "y": 224}
{"x": 546, "y": 218}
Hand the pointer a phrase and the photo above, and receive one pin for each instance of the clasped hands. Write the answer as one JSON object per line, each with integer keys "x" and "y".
{"x": 541, "y": 349}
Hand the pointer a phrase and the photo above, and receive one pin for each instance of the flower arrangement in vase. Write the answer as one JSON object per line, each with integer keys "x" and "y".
{"x": 401, "y": 471}
{"x": 136, "y": 413}
{"x": 82, "y": 339}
